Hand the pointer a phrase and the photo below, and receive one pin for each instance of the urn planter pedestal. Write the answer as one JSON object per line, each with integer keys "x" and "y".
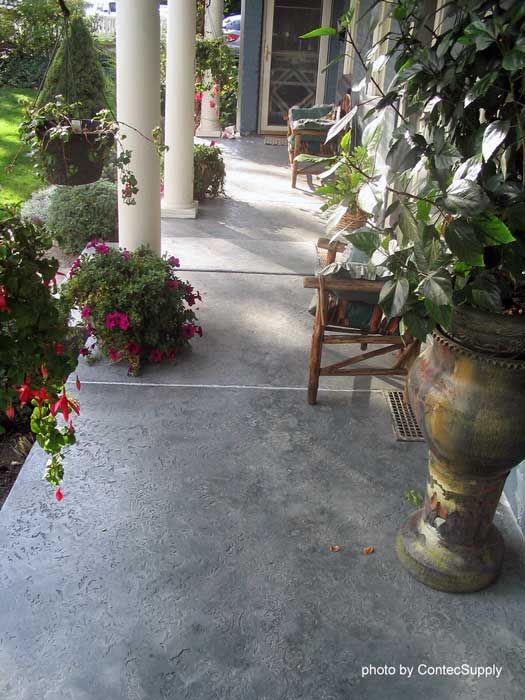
{"x": 470, "y": 404}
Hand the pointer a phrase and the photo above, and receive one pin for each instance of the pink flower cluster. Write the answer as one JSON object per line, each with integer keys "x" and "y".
{"x": 173, "y": 284}
{"x": 189, "y": 330}
{"x": 74, "y": 268}
{"x": 190, "y": 296}
{"x": 117, "y": 319}
{"x": 99, "y": 246}
{"x": 174, "y": 262}
{"x": 86, "y": 312}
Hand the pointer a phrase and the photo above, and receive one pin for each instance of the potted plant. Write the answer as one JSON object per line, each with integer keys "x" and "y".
{"x": 454, "y": 206}
{"x": 209, "y": 171}
{"x": 132, "y": 304}
{"x": 61, "y": 127}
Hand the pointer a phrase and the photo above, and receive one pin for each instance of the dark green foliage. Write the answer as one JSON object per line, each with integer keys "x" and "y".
{"x": 209, "y": 171}
{"x": 76, "y": 72}
{"x": 77, "y": 214}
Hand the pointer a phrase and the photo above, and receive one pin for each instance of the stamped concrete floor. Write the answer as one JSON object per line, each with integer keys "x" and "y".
{"x": 190, "y": 557}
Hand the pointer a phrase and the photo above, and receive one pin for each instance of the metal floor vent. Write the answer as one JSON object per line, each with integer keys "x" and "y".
{"x": 404, "y": 422}
{"x": 275, "y": 140}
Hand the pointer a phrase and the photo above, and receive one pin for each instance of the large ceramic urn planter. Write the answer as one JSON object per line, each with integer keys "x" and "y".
{"x": 468, "y": 393}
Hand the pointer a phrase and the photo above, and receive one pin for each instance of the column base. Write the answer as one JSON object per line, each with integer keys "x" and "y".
{"x": 451, "y": 568}
{"x": 179, "y": 211}
{"x": 208, "y": 133}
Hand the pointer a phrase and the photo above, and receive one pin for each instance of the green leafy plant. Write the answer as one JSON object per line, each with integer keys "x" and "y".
{"x": 34, "y": 356}
{"x": 78, "y": 214}
{"x": 132, "y": 304}
{"x": 209, "y": 171}
{"x": 415, "y": 498}
{"x": 452, "y": 197}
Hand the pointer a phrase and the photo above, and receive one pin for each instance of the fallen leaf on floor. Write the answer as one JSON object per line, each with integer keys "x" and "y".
{"x": 335, "y": 548}
{"x": 368, "y": 550}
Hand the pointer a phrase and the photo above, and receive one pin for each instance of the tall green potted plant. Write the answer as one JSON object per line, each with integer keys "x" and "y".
{"x": 455, "y": 207}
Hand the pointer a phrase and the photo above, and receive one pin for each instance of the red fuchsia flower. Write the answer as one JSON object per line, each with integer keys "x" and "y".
{"x": 58, "y": 348}
{"x": 114, "y": 354}
{"x": 63, "y": 405}
{"x": 86, "y": 311}
{"x": 173, "y": 284}
{"x": 24, "y": 392}
{"x": 155, "y": 355}
{"x": 3, "y": 299}
{"x": 212, "y": 142}
{"x": 188, "y": 330}
{"x": 44, "y": 372}
{"x": 174, "y": 262}
{"x": 84, "y": 352}
{"x": 58, "y": 494}
{"x": 10, "y": 411}
{"x": 198, "y": 97}
{"x": 133, "y": 348}
{"x": 125, "y": 255}
{"x": 41, "y": 395}
{"x": 77, "y": 384}
{"x": 212, "y": 103}
{"x": 171, "y": 353}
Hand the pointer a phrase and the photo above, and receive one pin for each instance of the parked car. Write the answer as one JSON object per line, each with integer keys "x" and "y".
{"x": 231, "y": 27}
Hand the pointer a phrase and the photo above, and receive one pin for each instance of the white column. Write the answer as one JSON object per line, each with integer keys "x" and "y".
{"x": 179, "y": 127}
{"x": 210, "y": 125}
{"x": 138, "y": 105}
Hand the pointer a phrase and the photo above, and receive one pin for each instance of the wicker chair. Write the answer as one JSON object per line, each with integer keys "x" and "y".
{"x": 307, "y": 131}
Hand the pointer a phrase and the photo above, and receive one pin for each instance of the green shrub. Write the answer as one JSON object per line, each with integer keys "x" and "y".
{"x": 133, "y": 303}
{"x": 77, "y": 214}
{"x": 76, "y": 72}
{"x": 209, "y": 171}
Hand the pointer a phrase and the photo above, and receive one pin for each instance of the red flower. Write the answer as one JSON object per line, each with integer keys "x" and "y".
{"x": 155, "y": 355}
{"x": 171, "y": 353}
{"x": 133, "y": 348}
{"x": 198, "y": 97}
{"x": 84, "y": 352}
{"x": 77, "y": 384}
{"x": 212, "y": 142}
{"x": 24, "y": 393}
{"x": 41, "y": 395}
{"x": 114, "y": 355}
{"x": 44, "y": 372}
{"x": 10, "y": 411}
{"x": 58, "y": 348}
{"x": 58, "y": 494}
{"x": 3, "y": 300}
{"x": 174, "y": 262}
{"x": 188, "y": 330}
{"x": 63, "y": 405}
{"x": 212, "y": 103}
{"x": 86, "y": 311}
{"x": 102, "y": 248}
{"x": 173, "y": 284}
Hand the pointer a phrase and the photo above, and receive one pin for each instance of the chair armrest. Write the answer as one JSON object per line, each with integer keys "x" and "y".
{"x": 339, "y": 285}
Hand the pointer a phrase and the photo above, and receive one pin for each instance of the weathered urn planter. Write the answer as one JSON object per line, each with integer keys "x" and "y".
{"x": 468, "y": 393}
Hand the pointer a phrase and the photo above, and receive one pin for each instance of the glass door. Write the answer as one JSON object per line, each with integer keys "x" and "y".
{"x": 292, "y": 67}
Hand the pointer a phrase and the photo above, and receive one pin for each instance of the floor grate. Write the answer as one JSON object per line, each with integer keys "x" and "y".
{"x": 275, "y": 140}
{"x": 404, "y": 422}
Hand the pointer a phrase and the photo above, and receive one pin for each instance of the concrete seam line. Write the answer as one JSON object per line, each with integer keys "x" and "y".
{"x": 260, "y": 387}
{"x": 245, "y": 272}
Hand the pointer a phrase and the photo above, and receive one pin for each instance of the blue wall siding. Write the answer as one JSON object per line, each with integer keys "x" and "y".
{"x": 249, "y": 69}
{"x": 335, "y": 48}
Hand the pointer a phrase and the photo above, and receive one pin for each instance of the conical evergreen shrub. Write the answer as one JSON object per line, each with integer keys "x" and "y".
{"x": 76, "y": 72}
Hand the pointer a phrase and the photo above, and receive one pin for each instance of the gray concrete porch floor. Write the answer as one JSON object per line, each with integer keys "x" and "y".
{"x": 190, "y": 557}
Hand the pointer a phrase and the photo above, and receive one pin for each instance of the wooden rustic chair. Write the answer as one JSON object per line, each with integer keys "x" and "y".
{"x": 307, "y": 131}
{"x": 328, "y": 329}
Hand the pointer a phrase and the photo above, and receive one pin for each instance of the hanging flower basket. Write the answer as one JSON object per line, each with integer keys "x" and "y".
{"x": 78, "y": 157}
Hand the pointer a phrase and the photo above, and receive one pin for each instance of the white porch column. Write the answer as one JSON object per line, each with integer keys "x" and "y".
{"x": 179, "y": 126}
{"x": 138, "y": 104}
{"x": 210, "y": 126}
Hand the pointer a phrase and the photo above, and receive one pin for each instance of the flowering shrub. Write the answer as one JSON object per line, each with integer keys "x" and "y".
{"x": 133, "y": 304}
{"x": 209, "y": 171}
{"x": 34, "y": 360}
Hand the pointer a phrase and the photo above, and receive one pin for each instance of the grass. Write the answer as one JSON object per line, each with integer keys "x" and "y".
{"x": 17, "y": 185}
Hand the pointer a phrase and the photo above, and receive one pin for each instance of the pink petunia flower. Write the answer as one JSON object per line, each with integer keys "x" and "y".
{"x": 86, "y": 311}
{"x": 133, "y": 348}
{"x": 174, "y": 262}
{"x": 102, "y": 248}
{"x": 123, "y": 322}
{"x": 155, "y": 355}
{"x": 111, "y": 319}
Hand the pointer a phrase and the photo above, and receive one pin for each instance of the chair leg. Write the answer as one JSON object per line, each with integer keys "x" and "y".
{"x": 295, "y": 167}
{"x": 315, "y": 353}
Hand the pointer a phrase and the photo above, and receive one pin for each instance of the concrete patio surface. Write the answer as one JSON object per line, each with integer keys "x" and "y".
{"x": 190, "y": 557}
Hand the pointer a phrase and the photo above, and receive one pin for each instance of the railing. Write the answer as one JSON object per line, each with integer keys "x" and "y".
{"x": 106, "y": 24}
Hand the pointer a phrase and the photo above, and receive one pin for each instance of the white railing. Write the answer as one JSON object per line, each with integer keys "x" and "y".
{"x": 106, "y": 24}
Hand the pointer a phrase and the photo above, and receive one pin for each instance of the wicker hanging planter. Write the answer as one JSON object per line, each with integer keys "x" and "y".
{"x": 80, "y": 159}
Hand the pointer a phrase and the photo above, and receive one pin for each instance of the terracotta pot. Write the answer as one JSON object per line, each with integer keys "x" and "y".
{"x": 79, "y": 160}
{"x": 470, "y": 404}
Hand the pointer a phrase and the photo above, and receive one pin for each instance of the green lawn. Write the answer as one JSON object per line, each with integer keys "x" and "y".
{"x": 17, "y": 185}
